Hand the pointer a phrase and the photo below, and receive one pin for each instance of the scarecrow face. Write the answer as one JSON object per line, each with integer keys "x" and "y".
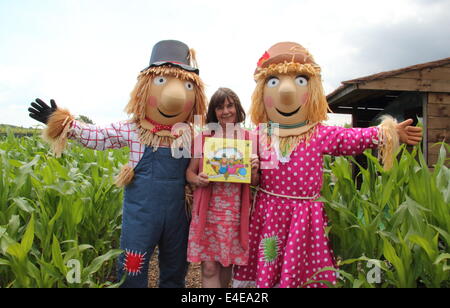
{"x": 171, "y": 100}
{"x": 284, "y": 96}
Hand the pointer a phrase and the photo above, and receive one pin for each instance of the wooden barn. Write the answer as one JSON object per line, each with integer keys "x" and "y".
{"x": 420, "y": 91}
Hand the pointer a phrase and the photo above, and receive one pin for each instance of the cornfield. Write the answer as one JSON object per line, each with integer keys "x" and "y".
{"x": 58, "y": 212}
{"x": 396, "y": 223}
{"x": 391, "y": 229}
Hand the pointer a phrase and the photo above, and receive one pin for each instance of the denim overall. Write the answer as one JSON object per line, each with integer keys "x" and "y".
{"x": 154, "y": 215}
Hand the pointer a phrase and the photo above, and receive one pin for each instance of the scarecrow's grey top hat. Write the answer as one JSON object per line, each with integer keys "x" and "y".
{"x": 173, "y": 53}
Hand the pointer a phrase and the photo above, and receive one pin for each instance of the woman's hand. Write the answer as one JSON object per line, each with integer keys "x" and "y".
{"x": 409, "y": 134}
{"x": 202, "y": 180}
{"x": 254, "y": 160}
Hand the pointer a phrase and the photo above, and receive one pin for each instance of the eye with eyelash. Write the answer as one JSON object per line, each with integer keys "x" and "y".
{"x": 302, "y": 80}
{"x": 272, "y": 82}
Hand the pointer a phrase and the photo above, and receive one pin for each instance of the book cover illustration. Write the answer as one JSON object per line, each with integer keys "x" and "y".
{"x": 227, "y": 160}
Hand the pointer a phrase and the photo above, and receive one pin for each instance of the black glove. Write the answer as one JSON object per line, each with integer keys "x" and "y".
{"x": 41, "y": 111}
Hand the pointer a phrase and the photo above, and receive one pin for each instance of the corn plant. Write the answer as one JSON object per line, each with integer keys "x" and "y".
{"x": 55, "y": 211}
{"x": 397, "y": 219}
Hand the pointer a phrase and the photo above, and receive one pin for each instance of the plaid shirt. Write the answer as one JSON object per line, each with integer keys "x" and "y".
{"x": 113, "y": 136}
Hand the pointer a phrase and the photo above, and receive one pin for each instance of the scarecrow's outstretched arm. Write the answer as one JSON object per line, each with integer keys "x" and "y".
{"x": 113, "y": 136}
{"x": 353, "y": 141}
{"x": 61, "y": 125}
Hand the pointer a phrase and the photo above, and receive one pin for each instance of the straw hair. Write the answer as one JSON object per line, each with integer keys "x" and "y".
{"x": 193, "y": 58}
{"x": 257, "y": 110}
{"x": 316, "y": 108}
{"x": 57, "y": 129}
{"x": 141, "y": 92}
{"x": 388, "y": 141}
{"x": 125, "y": 176}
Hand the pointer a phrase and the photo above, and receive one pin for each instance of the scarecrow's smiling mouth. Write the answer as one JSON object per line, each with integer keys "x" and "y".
{"x": 288, "y": 114}
{"x": 168, "y": 116}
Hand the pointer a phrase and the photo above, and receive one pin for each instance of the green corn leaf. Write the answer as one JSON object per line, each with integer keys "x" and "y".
{"x": 393, "y": 258}
{"x": 27, "y": 167}
{"x": 425, "y": 244}
{"x": 23, "y": 204}
{"x": 57, "y": 256}
{"x": 4, "y": 262}
{"x": 443, "y": 233}
{"x": 116, "y": 285}
{"x": 16, "y": 250}
{"x": 50, "y": 270}
{"x": 75, "y": 251}
{"x": 15, "y": 163}
{"x": 28, "y": 238}
{"x": 13, "y": 225}
{"x": 99, "y": 261}
{"x": 442, "y": 257}
{"x": 34, "y": 272}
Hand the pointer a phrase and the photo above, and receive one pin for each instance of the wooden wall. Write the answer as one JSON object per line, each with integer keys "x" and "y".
{"x": 438, "y": 111}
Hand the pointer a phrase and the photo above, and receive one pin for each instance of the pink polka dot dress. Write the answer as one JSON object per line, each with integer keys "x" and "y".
{"x": 288, "y": 244}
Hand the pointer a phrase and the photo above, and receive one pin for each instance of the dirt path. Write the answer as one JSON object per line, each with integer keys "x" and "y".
{"x": 192, "y": 277}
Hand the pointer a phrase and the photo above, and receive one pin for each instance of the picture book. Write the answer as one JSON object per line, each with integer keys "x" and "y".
{"x": 227, "y": 160}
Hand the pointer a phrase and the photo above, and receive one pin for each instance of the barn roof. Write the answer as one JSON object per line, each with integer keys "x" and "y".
{"x": 352, "y": 87}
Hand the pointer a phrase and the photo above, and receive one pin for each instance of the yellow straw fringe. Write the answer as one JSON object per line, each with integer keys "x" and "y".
{"x": 125, "y": 176}
{"x": 288, "y": 144}
{"x": 287, "y": 68}
{"x": 58, "y": 127}
{"x": 389, "y": 141}
{"x": 189, "y": 200}
{"x": 154, "y": 140}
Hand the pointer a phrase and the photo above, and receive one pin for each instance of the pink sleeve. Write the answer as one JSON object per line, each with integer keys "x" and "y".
{"x": 113, "y": 136}
{"x": 338, "y": 141}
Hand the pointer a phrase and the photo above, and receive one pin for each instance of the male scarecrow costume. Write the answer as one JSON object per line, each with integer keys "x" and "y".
{"x": 168, "y": 91}
{"x": 288, "y": 244}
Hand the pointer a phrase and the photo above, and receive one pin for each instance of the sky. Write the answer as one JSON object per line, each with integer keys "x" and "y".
{"x": 87, "y": 54}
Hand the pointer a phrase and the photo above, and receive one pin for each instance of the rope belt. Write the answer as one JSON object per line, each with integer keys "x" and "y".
{"x": 259, "y": 189}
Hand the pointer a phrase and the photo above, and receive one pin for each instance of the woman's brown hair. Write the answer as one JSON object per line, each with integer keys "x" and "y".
{"x": 218, "y": 100}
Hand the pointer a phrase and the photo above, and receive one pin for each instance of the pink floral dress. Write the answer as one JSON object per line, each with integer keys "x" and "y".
{"x": 288, "y": 243}
{"x": 220, "y": 240}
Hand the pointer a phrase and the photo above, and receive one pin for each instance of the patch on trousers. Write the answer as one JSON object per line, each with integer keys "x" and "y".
{"x": 134, "y": 262}
{"x": 269, "y": 249}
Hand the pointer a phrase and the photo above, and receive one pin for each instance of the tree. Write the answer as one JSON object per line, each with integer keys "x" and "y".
{"x": 85, "y": 119}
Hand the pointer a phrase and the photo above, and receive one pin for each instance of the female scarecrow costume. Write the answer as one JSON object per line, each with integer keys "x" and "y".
{"x": 287, "y": 239}
{"x": 169, "y": 91}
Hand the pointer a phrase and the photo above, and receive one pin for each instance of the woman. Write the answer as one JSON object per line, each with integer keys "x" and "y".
{"x": 218, "y": 236}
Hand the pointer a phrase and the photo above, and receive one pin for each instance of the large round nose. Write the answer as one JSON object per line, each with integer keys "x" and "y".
{"x": 173, "y": 97}
{"x": 287, "y": 91}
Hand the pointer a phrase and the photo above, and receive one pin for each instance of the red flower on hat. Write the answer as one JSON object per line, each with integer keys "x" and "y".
{"x": 263, "y": 59}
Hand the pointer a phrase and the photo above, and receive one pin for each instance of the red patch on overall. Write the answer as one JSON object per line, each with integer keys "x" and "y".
{"x": 133, "y": 262}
